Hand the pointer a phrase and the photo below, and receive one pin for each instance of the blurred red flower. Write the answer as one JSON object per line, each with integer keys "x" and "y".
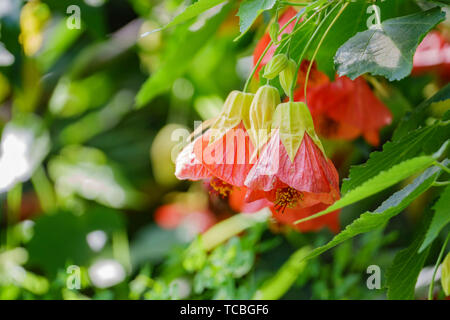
{"x": 433, "y": 55}
{"x": 171, "y": 216}
{"x": 346, "y": 109}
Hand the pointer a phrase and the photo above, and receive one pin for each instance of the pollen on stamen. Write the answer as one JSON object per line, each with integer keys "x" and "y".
{"x": 287, "y": 198}
{"x": 220, "y": 188}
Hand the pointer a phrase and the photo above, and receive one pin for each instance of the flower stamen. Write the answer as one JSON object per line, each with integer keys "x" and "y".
{"x": 220, "y": 188}
{"x": 287, "y": 198}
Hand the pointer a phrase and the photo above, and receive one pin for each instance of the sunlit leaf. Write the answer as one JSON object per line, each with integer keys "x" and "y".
{"x": 369, "y": 221}
{"x": 412, "y": 145}
{"x": 250, "y": 10}
{"x": 382, "y": 181}
{"x": 190, "y": 12}
{"x": 384, "y": 50}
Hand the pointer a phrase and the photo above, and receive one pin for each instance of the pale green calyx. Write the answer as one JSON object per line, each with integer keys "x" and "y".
{"x": 273, "y": 32}
{"x": 287, "y": 76}
{"x": 275, "y": 66}
{"x": 445, "y": 277}
{"x": 235, "y": 109}
{"x": 261, "y": 112}
{"x": 293, "y": 119}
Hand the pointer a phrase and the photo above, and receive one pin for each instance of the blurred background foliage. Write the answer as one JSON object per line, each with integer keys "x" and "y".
{"x": 86, "y": 179}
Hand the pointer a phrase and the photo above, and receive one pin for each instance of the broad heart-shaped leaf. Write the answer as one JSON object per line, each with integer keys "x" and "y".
{"x": 354, "y": 19}
{"x": 401, "y": 277}
{"x": 178, "y": 58}
{"x": 441, "y": 218}
{"x": 369, "y": 221}
{"x": 388, "y": 49}
{"x": 424, "y": 140}
{"x": 250, "y": 10}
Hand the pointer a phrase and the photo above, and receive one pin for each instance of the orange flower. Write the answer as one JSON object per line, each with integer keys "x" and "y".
{"x": 292, "y": 171}
{"x": 171, "y": 216}
{"x": 238, "y": 203}
{"x": 346, "y": 109}
{"x": 222, "y": 154}
{"x": 433, "y": 55}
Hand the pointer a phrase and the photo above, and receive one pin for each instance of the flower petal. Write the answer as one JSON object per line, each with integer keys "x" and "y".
{"x": 289, "y": 216}
{"x": 187, "y": 164}
{"x": 228, "y": 158}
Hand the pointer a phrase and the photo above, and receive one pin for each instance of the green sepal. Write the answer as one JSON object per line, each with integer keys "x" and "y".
{"x": 235, "y": 109}
{"x": 293, "y": 119}
{"x": 261, "y": 113}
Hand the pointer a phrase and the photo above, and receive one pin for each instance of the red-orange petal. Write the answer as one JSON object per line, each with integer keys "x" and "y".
{"x": 228, "y": 158}
{"x": 289, "y": 216}
{"x": 188, "y": 166}
{"x": 310, "y": 172}
{"x": 346, "y": 109}
{"x": 237, "y": 201}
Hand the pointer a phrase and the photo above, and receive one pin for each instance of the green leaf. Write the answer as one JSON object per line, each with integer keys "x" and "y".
{"x": 387, "y": 49}
{"x": 402, "y": 275}
{"x": 383, "y": 180}
{"x": 417, "y": 118}
{"x": 250, "y": 10}
{"x": 60, "y": 238}
{"x": 356, "y": 12}
{"x": 428, "y": 139}
{"x": 369, "y": 221}
{"x": 177, "y": 61}
{"x": 190, "y": 12}
{"x": 440, "y": 219}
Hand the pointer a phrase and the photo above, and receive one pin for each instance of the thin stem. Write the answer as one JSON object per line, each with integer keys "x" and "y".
{"x": 230, "y": 227}
{"x": 291, "y": 91}
{"x": 288, "y": 38}
{"x": 14, "y": 201}
{"x": 440, "y": 165}
{"x": 247, "y": 83}
{"x": 377, "y": 85}
{"x": 298, "y": 4}
{"x": 438, "y": 262}
{"x": 279, "y": 284}
{"x": 320, "y": 44}
{"x": 441, "y": 183}
{"x": 44, "y": 190}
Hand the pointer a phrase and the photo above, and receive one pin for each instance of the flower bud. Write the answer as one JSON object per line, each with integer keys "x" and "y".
{"x": 445, "y": 275}
{"x": 287, "y": 76}
{"x": 261, "y": 112}
{"x": 273, "y": 32}
{"x": 275, "y": 66}
{"x": 293, "y": 119}
{"x": 235, "y": 109}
